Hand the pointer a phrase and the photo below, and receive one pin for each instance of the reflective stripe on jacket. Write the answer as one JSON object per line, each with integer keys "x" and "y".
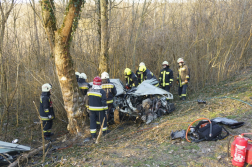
{"x": 183, "y": 74}
{"x": 83, "y": 86}
{"x": 166, "y": 77}
{"x": 46, "y": 107}
{"x": 96, "y": 100}
{"x": 131, "y": 80}
{"x": 140, "y": 76}
{"x": 110, "y": 91}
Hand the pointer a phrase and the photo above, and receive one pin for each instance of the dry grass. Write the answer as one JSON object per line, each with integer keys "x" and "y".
{"x": 152, "y": 147}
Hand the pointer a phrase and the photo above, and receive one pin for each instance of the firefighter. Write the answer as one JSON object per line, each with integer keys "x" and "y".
{"x": 147, "y": 74}
{"x": 110, "y": 90}
{"x": 166, "y": 77}
{"x": 97, "y": 106}
{"x": 77, "y": 75}
{"x": 139, "y": 74}
{"x": 83, "y": 85}
{"x": 182, "y": 79}
{"x": 130, "y": 78}
{"x": 46, "y": 110}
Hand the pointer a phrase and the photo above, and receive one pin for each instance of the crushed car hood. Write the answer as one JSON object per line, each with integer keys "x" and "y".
{"x": 147, "y": 88}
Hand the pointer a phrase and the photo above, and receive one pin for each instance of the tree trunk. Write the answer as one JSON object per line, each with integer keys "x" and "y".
{"x": 98, "y": 21}
{"x": 49, "y": 21}
{"x": 60, "y": 41}
{"x": 73, "y": 101}
{"x": 103, "y": 63}
{"x": 5, "y": 13}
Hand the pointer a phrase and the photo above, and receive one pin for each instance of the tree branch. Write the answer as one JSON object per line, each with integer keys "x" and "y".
{"x": 70, "y": 22}
{"x": 49, "y": 20}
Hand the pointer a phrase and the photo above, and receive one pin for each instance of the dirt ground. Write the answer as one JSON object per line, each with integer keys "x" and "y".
{"x": 135, "y": 144}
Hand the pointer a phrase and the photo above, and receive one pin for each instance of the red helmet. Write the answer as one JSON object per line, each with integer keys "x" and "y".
{"x": 97, "y": 81}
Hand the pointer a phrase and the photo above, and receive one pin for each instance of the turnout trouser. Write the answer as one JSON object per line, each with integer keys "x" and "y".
{"x": 167, "y": 88}
{"x": 47, "y": 126}
{"x": 182, "y": 91}
{"x": 97, "y": 116}
{"x": 110, "y": 109}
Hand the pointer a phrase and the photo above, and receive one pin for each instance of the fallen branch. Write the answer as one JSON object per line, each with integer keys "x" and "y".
{"x": 26, "y": 156}
{"x": 100, "y": 133}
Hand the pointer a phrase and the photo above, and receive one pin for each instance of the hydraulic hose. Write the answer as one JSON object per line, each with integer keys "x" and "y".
{"x": 210, "y": 134}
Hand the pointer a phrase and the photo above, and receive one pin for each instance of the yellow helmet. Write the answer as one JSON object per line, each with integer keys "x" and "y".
{"x": 142, "y": 68}
{"x": 127, "y": 71}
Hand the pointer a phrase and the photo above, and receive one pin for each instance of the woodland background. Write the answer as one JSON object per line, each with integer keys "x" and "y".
{"x": 212, "y": 36}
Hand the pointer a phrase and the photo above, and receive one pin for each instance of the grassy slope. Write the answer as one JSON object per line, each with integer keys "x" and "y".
{"x": 153, "y": 147}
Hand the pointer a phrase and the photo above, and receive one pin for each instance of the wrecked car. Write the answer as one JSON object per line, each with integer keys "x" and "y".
{"x": 10, "y": 151}
{"x": 145, "y": 102}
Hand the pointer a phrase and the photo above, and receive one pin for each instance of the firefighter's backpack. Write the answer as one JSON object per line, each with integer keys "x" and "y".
{"x": 205, "y": 131}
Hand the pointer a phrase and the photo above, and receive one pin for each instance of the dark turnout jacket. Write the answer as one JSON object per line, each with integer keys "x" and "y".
{"x": 149, "y": 75}
{"x": 140, "y": 77}
{"x": 110, "y": 90}
{"x": 83, "y": 86}
{"x": 166, "y": 77}
{"x": 46, "y": 107}
{"x": 96, "y": 100}
{"x": 131, "y": 80}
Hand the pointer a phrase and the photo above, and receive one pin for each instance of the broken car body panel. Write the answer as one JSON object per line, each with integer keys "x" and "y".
{"x": 145, "y": 101}
{"x": 10, "y": 151}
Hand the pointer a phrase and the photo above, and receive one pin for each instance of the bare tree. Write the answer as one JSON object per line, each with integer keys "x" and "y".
{"x": 103, "y": 60}
{"x": 5, "y": 9}
{"x": 60, "y": 40}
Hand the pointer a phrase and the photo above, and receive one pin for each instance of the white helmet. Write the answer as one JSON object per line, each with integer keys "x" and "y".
{"x": 104, "y": 75}
{"x": 165, "y": 63}
{"x": 83, "y": 76}
{"x": 141, "y": 64}
{"x": 77, "y": 73}
{"x": 46, "y": 87}
{"x": 180, "y": 60}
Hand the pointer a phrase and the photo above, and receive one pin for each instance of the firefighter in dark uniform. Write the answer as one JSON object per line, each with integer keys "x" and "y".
{"x": 97, "y": 106}
{"x": 130, "y": 78}
{"x": 110, "y": 90}
{"x": 166, "y": 77}
{"x": 83, "y": 85}
{"x": 46, "y": 110}
{"x": 77, "y": 75}
{"x": 147, "y": 74}
{"x": 182, "y": 79}
{"x": 139, "y": 74}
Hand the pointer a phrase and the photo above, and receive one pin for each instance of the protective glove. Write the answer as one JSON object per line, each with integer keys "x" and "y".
{"x": 50, "y": 116}
{"x": 177, "y": 82}
{"x": 186, "y": 81}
